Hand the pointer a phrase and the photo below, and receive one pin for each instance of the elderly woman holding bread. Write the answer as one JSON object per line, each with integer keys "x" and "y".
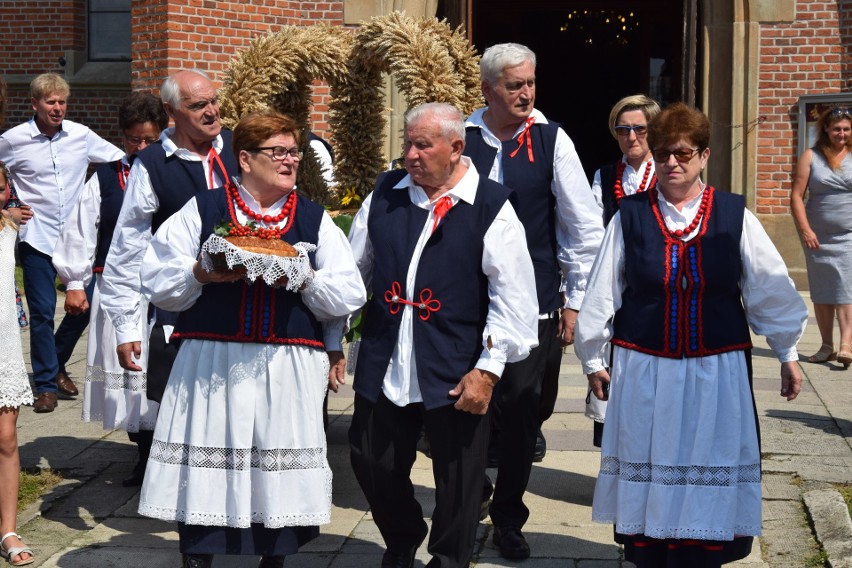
{"x": 239, "y": 455}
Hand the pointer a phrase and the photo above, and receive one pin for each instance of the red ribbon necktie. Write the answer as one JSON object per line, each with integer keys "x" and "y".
{"x": 525, "y": 137}
{"x": 425, "y": 306}
{"x": 123, "y": 172}
{"x": 443, "y": 205}
{"x": 214, "y": 159}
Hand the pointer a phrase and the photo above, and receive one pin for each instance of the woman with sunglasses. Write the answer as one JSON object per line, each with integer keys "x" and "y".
{"x": 633, "y": 173}
{"x": 683, "y": 272}
{"x": 825, "y": 227}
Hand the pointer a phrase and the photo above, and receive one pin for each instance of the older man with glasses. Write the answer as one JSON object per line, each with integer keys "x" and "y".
{"x": 193, "y": 156}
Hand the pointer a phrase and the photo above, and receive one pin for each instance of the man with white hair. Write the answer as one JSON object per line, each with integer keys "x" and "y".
{"x": 446, "y": 260}
{"x": 514, "y": 144}
{"x": 194, "y": 155}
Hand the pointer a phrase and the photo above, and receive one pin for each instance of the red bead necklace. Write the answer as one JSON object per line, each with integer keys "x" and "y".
{"x": 619, "y": 173}
{"x": 699, "y": 216}
{"x": 288, "y": 210}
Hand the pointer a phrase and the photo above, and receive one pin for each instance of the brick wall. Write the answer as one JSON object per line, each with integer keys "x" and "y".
{"x": 33, "y": 36}
{"x": 808, "y": 56}
{"x": 167, "y": 36}
{"x": 208, "y": 34}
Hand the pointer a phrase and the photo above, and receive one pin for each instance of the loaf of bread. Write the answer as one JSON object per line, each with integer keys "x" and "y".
{"x": 274, "y": 247}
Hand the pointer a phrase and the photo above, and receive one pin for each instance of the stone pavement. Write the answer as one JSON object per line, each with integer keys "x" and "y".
{"x": 90, "y": 520}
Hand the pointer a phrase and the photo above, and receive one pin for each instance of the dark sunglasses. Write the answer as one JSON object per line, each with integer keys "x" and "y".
{"x": 682, "y": 155}
{"x": 625, "y": 130}
{"x": 840, "y": 112}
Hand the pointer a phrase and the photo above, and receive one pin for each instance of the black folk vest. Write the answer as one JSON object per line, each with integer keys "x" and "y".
{"x": 682, "y": 299}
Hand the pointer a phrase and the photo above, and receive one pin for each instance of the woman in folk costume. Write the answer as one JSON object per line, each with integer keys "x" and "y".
{"x": 683, "y": 272}
{"x": 113, "y": 395}
{"x": 633, "y": 173}
{"x": 239, "y": 455}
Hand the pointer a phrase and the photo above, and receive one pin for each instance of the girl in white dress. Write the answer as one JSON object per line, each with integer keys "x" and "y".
{"x": 14, "y": 387}
{"x": 683, "y": 272}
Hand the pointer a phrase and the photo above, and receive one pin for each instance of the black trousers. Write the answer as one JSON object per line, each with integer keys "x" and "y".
{"x": 383, "y": 439}
{"x": 161, "y": 358}
{"x": 516, "y": 420}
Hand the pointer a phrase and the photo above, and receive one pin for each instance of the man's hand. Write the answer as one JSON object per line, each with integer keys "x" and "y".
{"x": 565, "y": 330}
{"x": 127, "y": 352}
{"x": 76, "y": 302}
{"x": 597, "y": 380}
{"x": 474, "y": 391}
{"x": 336, "y": 370}
{"x": 791, "y": 380}
{"x": 215, "y": 276}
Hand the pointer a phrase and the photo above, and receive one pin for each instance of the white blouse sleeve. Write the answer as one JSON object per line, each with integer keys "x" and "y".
{"x": 602, "y": 301}
{"x": 121, "y": 283}
{"x": 579, "y": 223}
{"x": 512, "y": 321}
{"x": 773, "y": 307}
{"x": 336, "y": 289}
{"x": 166, "y": 271}
{"x": 75, "y": 249}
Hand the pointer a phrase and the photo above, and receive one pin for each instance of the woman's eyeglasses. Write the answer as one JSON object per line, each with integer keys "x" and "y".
{"x": 625, "y": 130}
{"x": 137, "y": 141}
{"x": 280, "y": 152}
{"x": 682, "y": 155}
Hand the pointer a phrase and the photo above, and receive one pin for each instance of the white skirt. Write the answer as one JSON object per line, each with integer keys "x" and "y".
{"x": 112, "y": 394}
{"x": 680, "y": 456}
{"x": 240, "y": 438}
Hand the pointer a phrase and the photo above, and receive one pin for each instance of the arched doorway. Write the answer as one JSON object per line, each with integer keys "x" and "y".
{"x": 590, "y": 54}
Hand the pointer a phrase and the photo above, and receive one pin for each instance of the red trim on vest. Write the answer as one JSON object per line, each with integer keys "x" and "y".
{"x": 243, "y": 339}
{"x": 681, "y": 345}
{"x": 97, "y": 269}
{"x": 671, "y": 355}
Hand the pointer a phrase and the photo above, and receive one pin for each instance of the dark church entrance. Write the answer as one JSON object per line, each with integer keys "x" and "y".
{"x": 592, "y": 53}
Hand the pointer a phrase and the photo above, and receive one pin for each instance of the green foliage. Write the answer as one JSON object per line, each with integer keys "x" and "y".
{"x": 344, "y": 221}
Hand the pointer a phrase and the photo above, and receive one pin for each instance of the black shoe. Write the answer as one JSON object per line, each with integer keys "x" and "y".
{"x": 271, "y": 562}
{"x": 540, "y": 447}
{"x": 138, "y": 476}
{"x": 398, "y": 559}
{"x": 135, "y": 480}
{"x": 197, "y": 561}
{"x": 511, "y": 543}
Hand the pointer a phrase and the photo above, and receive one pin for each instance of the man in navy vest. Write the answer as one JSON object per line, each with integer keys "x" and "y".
{"x": 514, "y": 144}
{"x": 194, "y": 155}
{"x": 445, "y": 257}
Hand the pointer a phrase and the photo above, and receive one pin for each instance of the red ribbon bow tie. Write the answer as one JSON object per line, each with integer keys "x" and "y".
{"x": 525, "y": 137}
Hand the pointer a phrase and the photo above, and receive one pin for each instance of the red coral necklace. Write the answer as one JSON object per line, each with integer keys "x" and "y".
{"x": 288, "y": 210}
{"x": 619, "y": 173}
{"x": 699, "y": 216}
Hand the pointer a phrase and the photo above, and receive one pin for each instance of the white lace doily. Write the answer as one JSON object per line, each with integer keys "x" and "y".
{"x": 270, "y": 268}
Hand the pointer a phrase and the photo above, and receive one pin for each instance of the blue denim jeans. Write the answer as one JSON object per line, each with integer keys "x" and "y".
{"x": 48, "y": 352}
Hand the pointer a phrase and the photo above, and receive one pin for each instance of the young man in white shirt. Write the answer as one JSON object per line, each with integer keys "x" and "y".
{"x": 48, "y": 157}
